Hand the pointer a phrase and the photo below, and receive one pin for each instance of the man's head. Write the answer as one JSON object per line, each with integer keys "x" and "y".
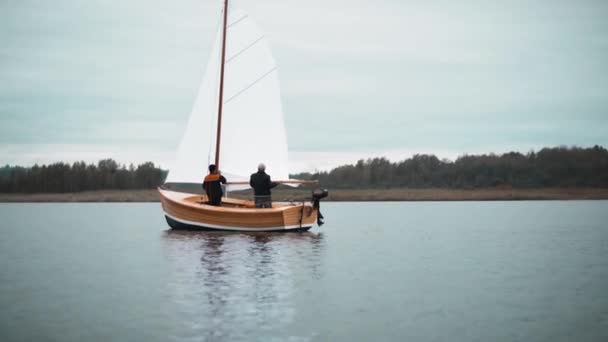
{"x": 212, "y": 168}
{"x": 261, "y": 167}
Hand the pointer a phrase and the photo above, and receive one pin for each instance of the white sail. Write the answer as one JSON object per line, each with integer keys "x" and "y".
{"x": 197, "y": 145}
{"x": 253, "y": 129}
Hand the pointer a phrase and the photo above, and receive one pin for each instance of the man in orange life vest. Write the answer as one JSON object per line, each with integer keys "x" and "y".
{"x": 212, "y": 185}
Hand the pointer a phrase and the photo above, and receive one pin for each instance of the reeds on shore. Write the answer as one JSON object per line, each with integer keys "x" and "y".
{"x": 339, "y": 195}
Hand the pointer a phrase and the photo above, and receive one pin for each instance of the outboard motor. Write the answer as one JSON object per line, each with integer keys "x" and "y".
{"x": 317, "y": 195}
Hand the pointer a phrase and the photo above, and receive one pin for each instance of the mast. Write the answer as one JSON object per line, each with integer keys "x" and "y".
{"x": 221, "y": 99}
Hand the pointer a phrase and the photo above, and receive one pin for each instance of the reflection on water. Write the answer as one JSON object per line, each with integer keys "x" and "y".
{"x": 227, "y": 285}
{"x": 453, "y": 271}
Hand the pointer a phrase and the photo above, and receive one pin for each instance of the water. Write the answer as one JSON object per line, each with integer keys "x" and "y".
{"x": 461, "y": 271}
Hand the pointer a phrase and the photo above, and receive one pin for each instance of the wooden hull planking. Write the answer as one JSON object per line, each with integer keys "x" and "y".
{"x": 189, "y": 211}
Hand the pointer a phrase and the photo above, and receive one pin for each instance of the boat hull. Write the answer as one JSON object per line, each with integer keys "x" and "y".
{"x": 177, "y": 225}
{"x": 190, "y": 211}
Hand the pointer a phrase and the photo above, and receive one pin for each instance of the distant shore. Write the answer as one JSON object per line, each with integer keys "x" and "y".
{"x": 337, "y": 195}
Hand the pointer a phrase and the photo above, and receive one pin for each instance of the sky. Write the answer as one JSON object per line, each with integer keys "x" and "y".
{"x": 86, "y": 80}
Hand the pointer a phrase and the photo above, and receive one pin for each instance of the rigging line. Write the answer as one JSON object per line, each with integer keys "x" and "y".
{"x": 244, "y": 49}
{"x": 213, "y": 122}
{"x": 215, "y": 96}
{"x": 238, "y": 20}
{"x": 251, "y": 85}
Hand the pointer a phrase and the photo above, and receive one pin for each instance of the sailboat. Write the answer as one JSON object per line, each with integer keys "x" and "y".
{"x": 236, "y": 122}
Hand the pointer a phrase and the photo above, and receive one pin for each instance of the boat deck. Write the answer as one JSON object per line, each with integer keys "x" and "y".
{"x": 236, "y": 214}
{"x": 233, "y": 202}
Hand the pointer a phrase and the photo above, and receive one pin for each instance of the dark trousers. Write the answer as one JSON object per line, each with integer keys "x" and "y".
{"x": 215, "y": 200}
{"x": 263, "y": 202}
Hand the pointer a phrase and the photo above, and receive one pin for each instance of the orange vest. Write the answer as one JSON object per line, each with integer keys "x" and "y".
{"x": 213, "y": 177}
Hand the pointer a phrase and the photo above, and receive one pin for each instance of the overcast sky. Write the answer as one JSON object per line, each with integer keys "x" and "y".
{"x": 94, "y": 79}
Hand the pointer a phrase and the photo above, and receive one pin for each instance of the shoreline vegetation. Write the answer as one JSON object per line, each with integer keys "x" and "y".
{"x": 555, "y": 173}
{"x": 337, "y": 195}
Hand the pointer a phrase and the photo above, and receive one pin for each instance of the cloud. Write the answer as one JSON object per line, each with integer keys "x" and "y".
{"x": 356, "y": 75}
{"x": 29, "y": 154}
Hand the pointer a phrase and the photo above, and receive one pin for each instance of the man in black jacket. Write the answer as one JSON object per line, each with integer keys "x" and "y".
{"x": 261, "y": 184}
{"x": 213, "y": 185}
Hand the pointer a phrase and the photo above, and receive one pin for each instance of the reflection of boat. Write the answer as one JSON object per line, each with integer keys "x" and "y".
{"x": 228, "y": 284}
{"x": 248, "y": 126}
{"x": 288, "y": 241}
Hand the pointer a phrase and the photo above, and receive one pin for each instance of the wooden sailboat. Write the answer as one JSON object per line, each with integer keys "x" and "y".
{"x": 239, "y": 99}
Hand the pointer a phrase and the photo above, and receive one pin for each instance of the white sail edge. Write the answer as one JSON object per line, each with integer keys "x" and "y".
{"x": 253, "y": 128}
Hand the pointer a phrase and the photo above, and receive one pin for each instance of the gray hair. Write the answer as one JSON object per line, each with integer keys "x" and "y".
{"x": 261, "y": 167}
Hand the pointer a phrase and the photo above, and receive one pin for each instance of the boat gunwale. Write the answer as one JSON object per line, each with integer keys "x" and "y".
{"x": 203, "y": 207}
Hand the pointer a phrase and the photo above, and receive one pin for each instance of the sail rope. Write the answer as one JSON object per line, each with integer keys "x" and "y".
{"x": 211, "y": 149}
{"x": 251, "y": 85}
{"x": 249, "y": 46}
{"x": 244, "y": 49}
{"x": 238, "y": 20}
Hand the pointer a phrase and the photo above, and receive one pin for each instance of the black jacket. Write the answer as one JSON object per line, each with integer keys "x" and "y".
{"x": 213, "y": 187}
{"x": 261, "y": 183}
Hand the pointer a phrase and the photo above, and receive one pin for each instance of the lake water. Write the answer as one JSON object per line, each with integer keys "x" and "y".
{"x": 427, "y": 271}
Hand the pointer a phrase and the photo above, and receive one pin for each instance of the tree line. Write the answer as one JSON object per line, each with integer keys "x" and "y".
{"x": 79, "y": 176}
{"x": 549, "y": 167}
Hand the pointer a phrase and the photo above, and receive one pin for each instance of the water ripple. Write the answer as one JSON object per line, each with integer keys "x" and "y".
{"x": 228, "y": 286}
